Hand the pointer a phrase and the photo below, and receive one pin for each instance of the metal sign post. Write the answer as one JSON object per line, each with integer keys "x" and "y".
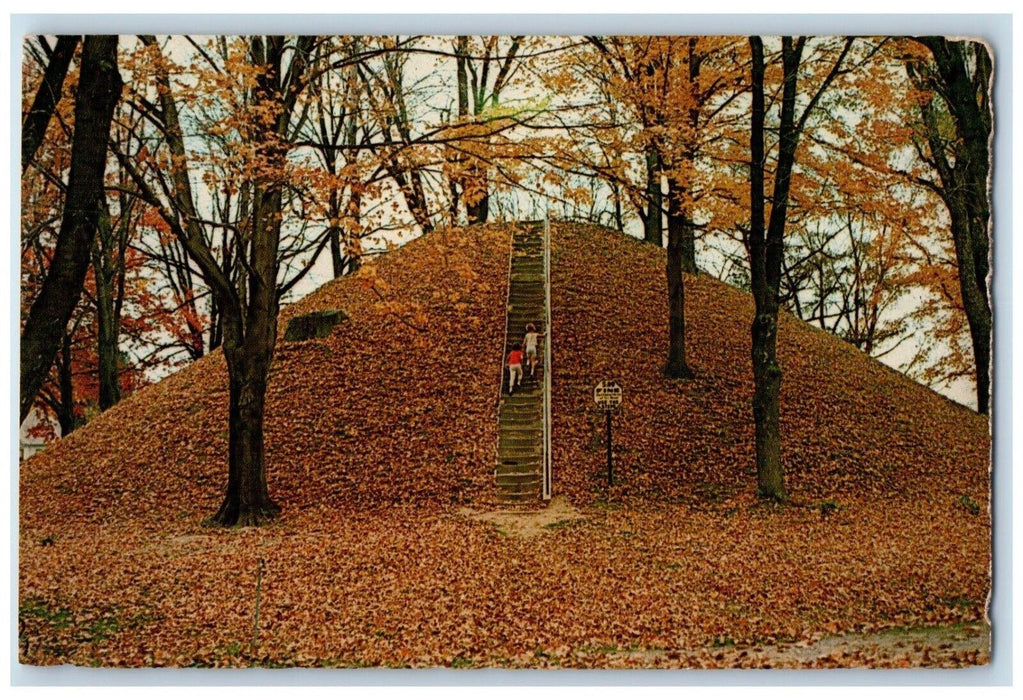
{"x": 610, "y": 473}
{"x": 608, "y": 397}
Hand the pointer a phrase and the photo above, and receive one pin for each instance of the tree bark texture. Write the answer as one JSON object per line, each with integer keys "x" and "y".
{"x": 676, "y": 366}
{"x": 680, "y": 216}
{"x": 249, "y": 341}
{"x": 99, "y": 90}
{"x": 247, "y": 500}
{"x": 33, "y": 127}
{"x": 105, "y": 270}
{"x": 477, "y": 208}
{"x": 964, "y": 182}
{"x": 249, "y": 355}
{"x": 65, "y": 404}
{"x": 766, "y": 247}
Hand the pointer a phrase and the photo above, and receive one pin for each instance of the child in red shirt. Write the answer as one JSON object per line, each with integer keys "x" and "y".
{"x": 514, "y": 368}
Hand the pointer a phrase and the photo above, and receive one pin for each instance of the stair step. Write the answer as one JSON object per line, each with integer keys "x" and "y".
{"x": 522, "y": 424}
{"x": 522, "y": 398}
{"x": 519, "y": 482}
{"x": 517, "y": 471}
{"x": 518, "y": 478}
{"x": 512, "y": 499}
{"x": 521, "y": 463}
{"x": 529, "y": 447}
{"x": 521, "y": 432}
{"x": 525, "y": 414}
{"x": 534, "y": 437}
{"x": 529, "y": 439}
{"x": 513, "y": 450}
{"x": 530, "y": 468}
{"x": 519, "y": 451}
{"x": 517, "y": 485}
{"x": 521, "y": 428}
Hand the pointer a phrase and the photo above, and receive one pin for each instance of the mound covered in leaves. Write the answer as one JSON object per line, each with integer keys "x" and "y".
{"x": 852, "y": 428}
{"x": 381, "y": 441}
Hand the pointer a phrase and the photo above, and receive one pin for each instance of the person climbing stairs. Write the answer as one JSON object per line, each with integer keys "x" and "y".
{"x": 520, "y": 418}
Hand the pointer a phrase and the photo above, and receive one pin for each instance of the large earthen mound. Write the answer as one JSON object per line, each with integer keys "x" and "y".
{"x": 398, "y": 404}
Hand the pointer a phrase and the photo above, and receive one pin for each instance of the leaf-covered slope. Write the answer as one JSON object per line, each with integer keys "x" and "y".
{"x": 377, "y": 413}
{"x": 380, "y": 413}
{"x": 850, "y": 425}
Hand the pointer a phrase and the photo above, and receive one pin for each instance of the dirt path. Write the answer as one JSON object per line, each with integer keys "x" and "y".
{"x": 527, "y": 523}
{"x": 943, "y": 647}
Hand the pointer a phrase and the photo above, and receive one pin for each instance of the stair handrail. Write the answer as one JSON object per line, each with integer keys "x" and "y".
{"x": 546, "y": 480}
{"x": 507, "y": 305}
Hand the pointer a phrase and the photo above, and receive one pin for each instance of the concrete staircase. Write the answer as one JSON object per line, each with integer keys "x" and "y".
{"x": 520, "y": 419}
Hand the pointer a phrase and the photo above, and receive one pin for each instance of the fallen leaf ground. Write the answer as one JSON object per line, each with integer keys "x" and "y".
{"x": 381, "y": 441}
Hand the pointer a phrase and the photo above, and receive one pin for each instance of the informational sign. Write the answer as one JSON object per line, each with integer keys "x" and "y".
{"x": 608, "y": 395}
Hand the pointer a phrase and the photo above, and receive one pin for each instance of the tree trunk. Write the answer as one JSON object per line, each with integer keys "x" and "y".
{"x": 676, "y": 367}
{"x": 973, "y": 291}
{"x": 765, "y": 273}
{"x": 103, "y": 269}
{"x": 334, "y": 231}
{"x": 688, "y": 244}
{"x": 689, "y": 154}
{"x": 99, "y": 89}
{"x": 477, "y": 207}
{"x": 66, "y": 388}
{"x": 337, "y": 260}
{"x": 964, "y": 183}
{"x": 619, "y": 218}
{"x": 249, "y": 345}
{"x": 249, "y": 354}
{"x": 680, "y": 215}
{"x": 652, "y": 222}
{"x": 33, "y": 128}
{"x": 216, "y": 325}
{"x": 107, "y": 350}
{"x": 247, "y": 501}
{"x": 766, "y": 406}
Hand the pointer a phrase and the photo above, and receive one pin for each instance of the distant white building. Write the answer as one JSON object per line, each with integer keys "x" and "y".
{"x": 28, "y": 445}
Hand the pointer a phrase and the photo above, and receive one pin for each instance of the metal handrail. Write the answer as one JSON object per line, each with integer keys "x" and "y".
{"x": 504, "y": 350}
{"x": 547, "y": 358}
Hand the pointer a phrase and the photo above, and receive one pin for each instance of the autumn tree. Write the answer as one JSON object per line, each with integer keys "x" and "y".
{"x": 99, "y": 89}
{"x": 483, "y": 72}
{"x": 955, "y": 113}
{"x": 676, "y": 91}
{"x": 632, "y": 78}
{"x": 870, "y": 257}
{"x": 57, "y": 61}
{"x": 260, "y": 88}
{"x": 398, "y": 146}
{"x": 340, "y": 126}
{"x": 767, "y": 243}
